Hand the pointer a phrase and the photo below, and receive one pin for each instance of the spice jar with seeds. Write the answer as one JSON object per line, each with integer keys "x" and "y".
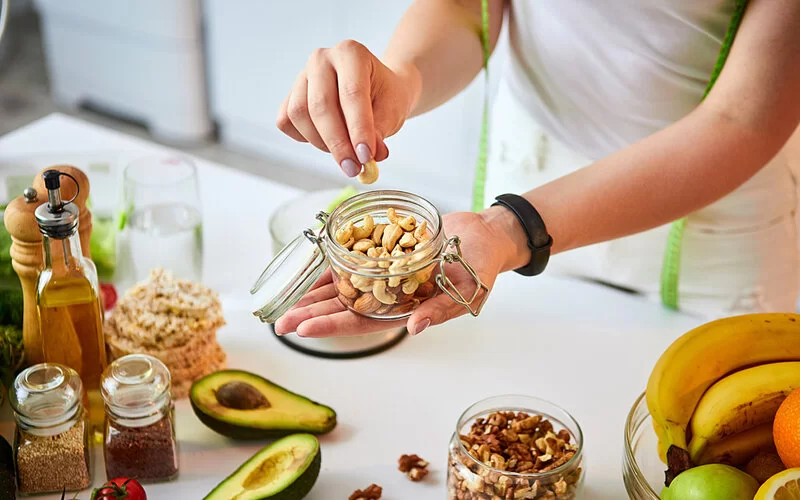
{"x": 515, "y": 447}
{"x": 52, "y": 446}
{"x": 387, "y": 251}
{"x": 139, "y": 437}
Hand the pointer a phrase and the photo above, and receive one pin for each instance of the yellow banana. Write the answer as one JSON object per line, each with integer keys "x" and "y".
{"x": 742, "y": 400}
{"x": 738, "y": 449}
{"x": 702, "y": 356}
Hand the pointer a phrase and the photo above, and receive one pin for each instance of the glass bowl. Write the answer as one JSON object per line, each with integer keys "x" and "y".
{"x": 642, "y": 468}
{"x": 470, "y": 479}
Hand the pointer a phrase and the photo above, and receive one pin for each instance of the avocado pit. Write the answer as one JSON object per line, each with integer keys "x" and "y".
{"x": 239, "y": 395}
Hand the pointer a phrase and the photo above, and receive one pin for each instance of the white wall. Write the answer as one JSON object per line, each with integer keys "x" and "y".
{"x": 256, "y": 49}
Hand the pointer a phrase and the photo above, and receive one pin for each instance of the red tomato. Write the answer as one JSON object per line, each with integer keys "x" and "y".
{"x": 109, "y": 294}
{"x": 120, "y": 488}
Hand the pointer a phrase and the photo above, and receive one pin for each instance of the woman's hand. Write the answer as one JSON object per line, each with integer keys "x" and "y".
{"x": 320, "y": 314}
{"x": 346, "y": 102}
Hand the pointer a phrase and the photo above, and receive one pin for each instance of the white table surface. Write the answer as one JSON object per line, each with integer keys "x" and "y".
{"x": 587, "y": 348}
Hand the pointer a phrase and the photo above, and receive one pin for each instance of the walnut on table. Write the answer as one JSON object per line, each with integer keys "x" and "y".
{"x": 415, "y": 468}
{"x": 372, "y": 492}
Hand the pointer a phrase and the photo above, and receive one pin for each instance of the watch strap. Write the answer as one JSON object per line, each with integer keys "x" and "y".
{"x": 539, "y": 241}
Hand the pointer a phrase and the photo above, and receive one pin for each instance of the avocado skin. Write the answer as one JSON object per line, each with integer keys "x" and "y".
{"x": 218, "y": 424}
{"x": 8, "y": 486}
{"x": 296, "y": 491}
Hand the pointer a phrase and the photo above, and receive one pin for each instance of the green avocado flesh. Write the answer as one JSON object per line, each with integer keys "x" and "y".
{"x": 285, "y": 470}
{"x": 243, "y": 405}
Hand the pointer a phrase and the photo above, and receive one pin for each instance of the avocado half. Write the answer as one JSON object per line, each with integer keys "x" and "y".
{"x": 243, "y": 405}
{"x": 285, "y": 470}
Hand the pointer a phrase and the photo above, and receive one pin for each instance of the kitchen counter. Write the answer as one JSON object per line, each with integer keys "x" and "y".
{"x": 584, "y": 347}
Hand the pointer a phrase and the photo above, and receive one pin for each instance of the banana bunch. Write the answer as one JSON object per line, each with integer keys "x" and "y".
{"x": 714, "y": 392}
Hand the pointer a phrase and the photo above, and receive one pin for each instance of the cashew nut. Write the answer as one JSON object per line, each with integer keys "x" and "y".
{"x": 344, "y": 234}
{"x": 407, "y": 240}
{"x": 408, "y": 223}
{"x": 383, "y": 255}
{"x": 349, "y": 243}
{"x": 363, "y": 245}
{"x": 410, "y": 286}
{"x": 383, "y": 295}
{"x": 369, "y": 173}
{"x": 391, "y": 235}
{"x": 365, "y": 230}
{"x": 424, "y": 275}
{"x": 391, "y": 214}
{"x": 361, "y": 282}
{"x": 421, "y": 233}
{"x": 377, "y": 234}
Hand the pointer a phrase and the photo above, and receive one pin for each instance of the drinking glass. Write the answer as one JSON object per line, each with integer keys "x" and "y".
{"x": 162, "y": 219}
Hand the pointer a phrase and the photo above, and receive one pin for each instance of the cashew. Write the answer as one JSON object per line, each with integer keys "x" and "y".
{"x": 424, "y": 275}
{"x": 391, "y": 235}
{"x": 377, "y": 234}
{"x": 344, "y": 234}
{"x": 421, "y": 232}
{"x": 373, "y": 252}
{"x": 358, "y": 252}
{"x": 349, "y": 243}
{"x": 366, "y": 304}
{"x": 363, "y": 245}
{"x": 361, "y": 282}
{"x": 391, "y": 214}
{"x": 346, "y": 288}
{"x": 408, "y": 223}
{"x": 410, "y": 286}
{"x": 384, "y": 264}
{"x": 407, "y": 240}
{"x": 365, "y": 230}
{"x": 380, "y": 293}
{"x": 398, "y": 252}
{"x": 369, "y": 174}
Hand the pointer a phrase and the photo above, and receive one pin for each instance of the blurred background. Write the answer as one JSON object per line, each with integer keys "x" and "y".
{"x": 207, "y": 76}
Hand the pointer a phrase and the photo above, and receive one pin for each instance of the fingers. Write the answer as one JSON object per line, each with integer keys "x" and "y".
{"x": 434, "y": 311}
{"x": 342, "y": 324}
{"x": 297, "y": 111}
{"x": 317, "y": 295}
{"x": 285, "y": 125}
{"x": 290, "y": 321}
{"x": 352, "y": 63}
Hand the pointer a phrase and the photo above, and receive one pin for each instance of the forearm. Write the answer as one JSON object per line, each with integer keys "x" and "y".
{"x": 664, "y": 177}
{"x": 437, "y": 46}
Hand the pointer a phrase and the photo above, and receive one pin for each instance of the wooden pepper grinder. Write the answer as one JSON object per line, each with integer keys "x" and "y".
{"x": 26, "y": 246}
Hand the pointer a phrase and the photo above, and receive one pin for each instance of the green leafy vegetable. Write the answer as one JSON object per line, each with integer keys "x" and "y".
{"x": 103, "y": 245}
{"x": 11, "y": 353}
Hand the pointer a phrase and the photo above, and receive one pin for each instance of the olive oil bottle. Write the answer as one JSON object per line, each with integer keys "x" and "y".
{"x": 68, "y": 299}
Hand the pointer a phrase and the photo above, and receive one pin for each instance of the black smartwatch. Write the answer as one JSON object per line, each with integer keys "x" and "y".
{"x": 538, "y": 240}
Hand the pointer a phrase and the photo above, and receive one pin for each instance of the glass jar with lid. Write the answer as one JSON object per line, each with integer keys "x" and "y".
{"x": 52, "y": 446}
{"x": 387, "y": 251}
{"x": 139, "y": 435}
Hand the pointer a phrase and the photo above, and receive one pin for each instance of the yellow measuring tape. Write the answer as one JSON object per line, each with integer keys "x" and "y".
{"x": 670, "y": 271}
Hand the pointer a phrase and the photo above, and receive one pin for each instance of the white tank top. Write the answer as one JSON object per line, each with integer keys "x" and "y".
{"x": 599, "y": 75}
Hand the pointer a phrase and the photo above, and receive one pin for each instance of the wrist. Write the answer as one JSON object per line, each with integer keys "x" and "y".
{"x": 509, "y": 236}
{"x": 411, "y": 79}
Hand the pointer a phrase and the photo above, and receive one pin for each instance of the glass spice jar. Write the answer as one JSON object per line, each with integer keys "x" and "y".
{"x": 52, "y": 447}
{"x": 139, "y": 435}
{"x": 387, "y": 251}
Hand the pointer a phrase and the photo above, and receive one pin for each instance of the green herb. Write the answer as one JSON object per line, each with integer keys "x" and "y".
{"x": 11, "y": 353}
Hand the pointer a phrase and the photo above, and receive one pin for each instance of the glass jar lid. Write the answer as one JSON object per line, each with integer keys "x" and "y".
{"x": 288, "y": 277}
{"x": 135, "y": 386}
{"x": 46, "y": 395}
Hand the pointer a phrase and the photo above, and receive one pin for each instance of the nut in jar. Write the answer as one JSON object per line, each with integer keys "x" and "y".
{"x": 387, "y": 253}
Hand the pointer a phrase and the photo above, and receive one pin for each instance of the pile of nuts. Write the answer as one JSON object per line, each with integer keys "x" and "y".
{"x": 372, "y": 492}
{"x": 406, "y": 283}
{"x": 519, "y": 443}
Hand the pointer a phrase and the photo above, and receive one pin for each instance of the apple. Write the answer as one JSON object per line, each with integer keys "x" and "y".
{"x": 711, "y": 482}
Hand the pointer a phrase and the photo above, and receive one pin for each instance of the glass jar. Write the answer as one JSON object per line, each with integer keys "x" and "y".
{"x": 385, "y": 288}
{"x": 471, "y": 477}
{"x": 139, "y": 436}
{"x": 642, "y": 468}
{"x": 52, "y": 446}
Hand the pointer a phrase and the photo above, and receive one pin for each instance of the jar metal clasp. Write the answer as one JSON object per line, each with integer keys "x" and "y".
{"x": 317, "y": 238}
{"x": 450, "y": 289}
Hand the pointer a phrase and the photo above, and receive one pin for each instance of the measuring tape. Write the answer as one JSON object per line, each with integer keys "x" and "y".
{"x": 670, "y": 270}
